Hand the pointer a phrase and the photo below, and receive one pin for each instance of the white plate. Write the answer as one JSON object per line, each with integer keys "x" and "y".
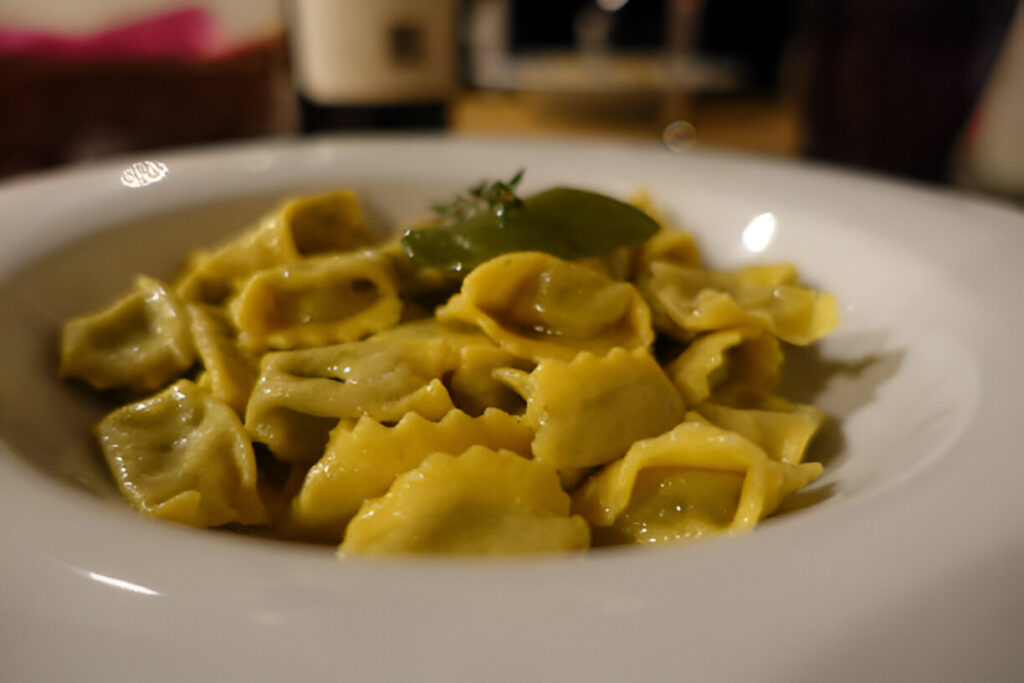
{"x": 904, "y": 564}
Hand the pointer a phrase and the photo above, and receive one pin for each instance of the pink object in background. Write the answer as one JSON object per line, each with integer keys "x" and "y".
{"x": 187, "y": 33}
{"x": 139, "y": 81}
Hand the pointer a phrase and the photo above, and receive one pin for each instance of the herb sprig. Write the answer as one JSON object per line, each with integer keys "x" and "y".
{"x": 494, "y": 197}
{"x": 562, "y": 221}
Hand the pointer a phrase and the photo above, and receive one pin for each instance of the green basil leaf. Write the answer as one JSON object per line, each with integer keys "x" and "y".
{"x": 565, "y": 222}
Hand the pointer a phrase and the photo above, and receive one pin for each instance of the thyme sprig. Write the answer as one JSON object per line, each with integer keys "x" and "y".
{"x": 494, "y": 197}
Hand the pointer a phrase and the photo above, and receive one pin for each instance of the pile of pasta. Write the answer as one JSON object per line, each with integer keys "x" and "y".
{"x": 310, "y": 379}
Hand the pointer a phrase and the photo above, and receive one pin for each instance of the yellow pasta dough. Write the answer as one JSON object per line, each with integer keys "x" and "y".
{"x": 309, "y": 382}
{"x": 783, "y": 434}
{"x": 332, "y": 221}
{"x": 141, "y": 342}
{"x": 672, "y": 246}
{"x": 182, "y": 455}
{"x": 482, "y": 501}
{"x": 229, "y": 372}
{"x": 475, "y": 384}
{"x": 748, "y": 356}
{"x": 693, "y": 481}
{"x": 317, "y": 301}
{"x": 691, "y": 300}
{"x": 362, "y": 461}
{"x": 300, "y": 395}
{"x": 539, "y": 306}
{"x": 589, "y": 411}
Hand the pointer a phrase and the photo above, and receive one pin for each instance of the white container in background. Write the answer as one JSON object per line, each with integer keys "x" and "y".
{"x": 374, "y": 52}
{"x": 991, "y": 154}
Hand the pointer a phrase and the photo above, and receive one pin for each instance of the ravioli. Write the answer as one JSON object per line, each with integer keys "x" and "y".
{"x": 481, "y": 502}
{"x": 183, "y": 456}
{"x": 691, "y": 300}
{"x": 539, "y": 306}
{"x": 142, "y": 342}
{"x": 332, "y": 221}
{"x": 310, "y": 383}
{"x": 589, "y": 411}
{"x": 784, "y": 434}
{"x": 475, "y": 384}
{"x": 300, "y": 395}
{"x": 362, "y": 461}
{"x": 317, "y": 301}
{"x": 229, "y": 372}
{"x": 695, "y": 481}
{"x": 743, "y": 355}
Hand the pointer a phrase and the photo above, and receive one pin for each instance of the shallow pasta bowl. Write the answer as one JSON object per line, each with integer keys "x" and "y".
{"x": 900, "y": 563}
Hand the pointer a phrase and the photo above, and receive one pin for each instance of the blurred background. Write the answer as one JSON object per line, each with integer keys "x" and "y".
{"x": 930, "y": 90}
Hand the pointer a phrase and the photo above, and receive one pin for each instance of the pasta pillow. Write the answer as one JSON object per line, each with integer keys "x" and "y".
{"x": 694, "y": 481}
{"x": 589, "y": 411}
{"x": 141, "y": 342}
{"x": 182, "y": 455}
{"x": 482, "y": 502}
{"x": 362, "y": 461}
{"x": 691, "y": 300}
{"x": 328, "y": 222}
{"x": 317, "y": 301}
{"x": 540, "y": 306}
{"x": 514, "y": 376}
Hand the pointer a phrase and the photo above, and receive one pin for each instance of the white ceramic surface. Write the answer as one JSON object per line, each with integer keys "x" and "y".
{"x": 902, "y": 563}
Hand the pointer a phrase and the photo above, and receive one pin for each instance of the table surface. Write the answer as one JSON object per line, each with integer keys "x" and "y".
{"x": 758, "y": 125}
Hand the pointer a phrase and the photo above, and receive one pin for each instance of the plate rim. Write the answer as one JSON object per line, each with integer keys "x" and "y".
{"x": 468, "y": 583}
